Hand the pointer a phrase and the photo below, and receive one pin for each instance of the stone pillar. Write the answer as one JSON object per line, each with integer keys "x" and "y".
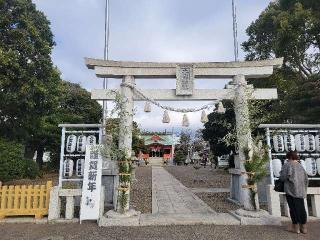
{"x": 126, "y": 119}
{"x": 69, "y": 207}
{"x": 285, "y": 205}
{"x": 273, "y": 201}
{"x": 54, "y": 204}
{"x": 126, "y": 116}
{"x": 244, "y": 138}
{"x": 315, "y": 201}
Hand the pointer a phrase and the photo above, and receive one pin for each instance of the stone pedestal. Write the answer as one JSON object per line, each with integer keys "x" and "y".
{"x": 315, "y": 202}
{"x": 260, "y": 217}
{"x": 235, "y": 185}
{"x": 109, "y": 174}
{"x": 54, "y": 204}
{"x": 110, "y": 183}
{"x": 113, "y": 218}
{"x": 69, "y": 207}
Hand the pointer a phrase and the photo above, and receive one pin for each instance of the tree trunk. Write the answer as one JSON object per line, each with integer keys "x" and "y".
{"x": 28, "y": 152}
{"x": 40, "y": 151}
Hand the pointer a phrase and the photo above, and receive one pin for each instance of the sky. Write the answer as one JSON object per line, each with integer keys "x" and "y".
{"x": 147, "y": 30}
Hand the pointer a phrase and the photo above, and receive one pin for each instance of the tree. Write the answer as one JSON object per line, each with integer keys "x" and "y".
{"x": 306, "y": 101}
{"x": 289, "y": 29}
{"x": 112, "y": 128}
{"x": 28, "y": 81}
{"x": 220, "y": 131}
{"x": 12, "y": 163}
{"x": 179, "y": 157}
{"x": 74, "y": 106}
{"x": 198, "y": 142}
{"x": 185, "y": 140}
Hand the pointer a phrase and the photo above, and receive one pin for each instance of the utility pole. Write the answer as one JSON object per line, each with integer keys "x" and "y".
{"x": 235, "y": 30}
{"x": 106, "y": 57}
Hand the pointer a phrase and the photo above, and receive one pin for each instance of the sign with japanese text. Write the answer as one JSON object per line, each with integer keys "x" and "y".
{"x": 91, "y": 189}
{"x": 185, "y": 77}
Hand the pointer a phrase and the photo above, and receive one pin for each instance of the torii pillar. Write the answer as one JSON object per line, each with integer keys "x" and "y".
{"x": 126, "y": 116}
{"x": 244, "y": 137}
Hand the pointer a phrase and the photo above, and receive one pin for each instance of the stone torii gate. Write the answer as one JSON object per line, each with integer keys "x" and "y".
{"x": 185, "y": 73}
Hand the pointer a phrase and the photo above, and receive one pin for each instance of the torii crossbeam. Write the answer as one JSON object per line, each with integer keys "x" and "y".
{"x": 118, "y": 69}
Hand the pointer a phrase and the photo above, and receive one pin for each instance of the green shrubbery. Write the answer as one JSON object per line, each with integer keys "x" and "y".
{"x": 31, "y": 169}
{"x": 12, "y": 163}
{"x": 179, "y": 157}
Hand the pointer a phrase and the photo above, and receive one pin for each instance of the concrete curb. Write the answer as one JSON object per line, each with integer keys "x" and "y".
{"x": 16, "y": 220}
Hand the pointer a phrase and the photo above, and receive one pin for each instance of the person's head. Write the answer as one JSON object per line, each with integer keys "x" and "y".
{"x": 292, "y": 155}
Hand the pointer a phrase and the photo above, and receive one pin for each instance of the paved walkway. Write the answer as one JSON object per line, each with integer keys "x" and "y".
{"x": 170, "y": 196}
{"x": 209, "y": 190}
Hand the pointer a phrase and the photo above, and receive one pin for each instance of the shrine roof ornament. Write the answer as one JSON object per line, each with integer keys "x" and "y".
{"x": 118, "y": 69}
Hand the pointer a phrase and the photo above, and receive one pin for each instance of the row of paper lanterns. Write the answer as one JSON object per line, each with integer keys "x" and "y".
{"x": 311, "y": 166}
{"x": 79, "y": 144}
{"x": 185, "y": 120}
{"x": 68, "y": 166}
{"x": 299, "y": 142}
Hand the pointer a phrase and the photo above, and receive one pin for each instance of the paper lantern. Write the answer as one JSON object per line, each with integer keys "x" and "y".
{"x": 204, "y": 117}
{"x": 311, "y": 166}
{"x": 166, "y": 118}
{"x": 91, "y": 140}
{"x": 71, "y": 143}
{"x": 317, "y": 140}
{"x": 185, "y": 121}
{"x": 81, "y": 143}
{"x": 310, "y": 143}
{"x": 278, "y": 143}
{"x": 80, "y": 167}
{"x": 221, "y": 108}
{"x": 289, "y": 143}
{"x": 303, "y": 164}
{"x": 318, "y": 165}
{"x": 300, "y": 142}
{"x": 276, "y": 167}
{"x": 68, "y": 168}
{"x": 147, "y": 107}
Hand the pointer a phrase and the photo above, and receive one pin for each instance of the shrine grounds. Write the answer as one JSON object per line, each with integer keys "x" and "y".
{"x": 90, "y": 231}
{"x": 210, "y": 185}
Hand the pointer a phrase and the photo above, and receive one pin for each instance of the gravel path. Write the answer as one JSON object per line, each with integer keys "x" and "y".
{"x": 90, "y": 231}
{"x": 218, "y": 201}
{"x": 211, "y": 178}
{"x": 141, "y": 190}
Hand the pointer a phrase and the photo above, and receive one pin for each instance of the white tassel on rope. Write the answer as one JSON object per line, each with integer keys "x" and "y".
{"x": 185, "y": 121}
{"x": 221, "y": 108}
{"x": 166, "y": 118}
{"x": 204, "y": 117}
{"x": 147, "y": 107}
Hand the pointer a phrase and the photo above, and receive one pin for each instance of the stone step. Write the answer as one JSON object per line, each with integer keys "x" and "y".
{"x": 188, "y": 219}
{"x": 156, "y": 161}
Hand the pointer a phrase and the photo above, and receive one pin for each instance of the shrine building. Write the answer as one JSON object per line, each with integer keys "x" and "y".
{"x": 159, "y": 145}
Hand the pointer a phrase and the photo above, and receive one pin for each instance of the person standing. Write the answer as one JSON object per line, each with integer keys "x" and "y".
{"x": 295, "y": 181}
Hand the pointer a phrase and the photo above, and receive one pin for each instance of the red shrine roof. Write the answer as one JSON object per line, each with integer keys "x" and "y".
{"x": 158, "y": 139}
